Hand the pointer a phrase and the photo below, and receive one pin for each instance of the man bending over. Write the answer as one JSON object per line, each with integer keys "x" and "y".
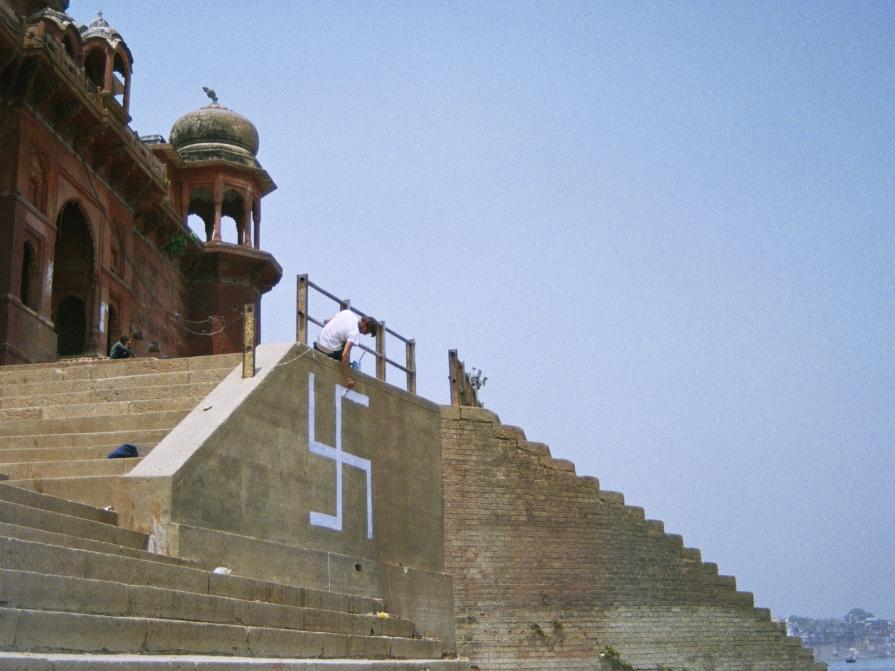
{"x": 339, "y": 333}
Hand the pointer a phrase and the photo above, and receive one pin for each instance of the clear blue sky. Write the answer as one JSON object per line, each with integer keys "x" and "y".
{"x": 664, "y": 231}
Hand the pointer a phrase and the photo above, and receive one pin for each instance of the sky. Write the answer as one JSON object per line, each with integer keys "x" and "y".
{"x": 664, "y": 231}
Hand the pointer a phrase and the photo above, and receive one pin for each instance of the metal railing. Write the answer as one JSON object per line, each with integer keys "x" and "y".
{"x": 303, "y": 318}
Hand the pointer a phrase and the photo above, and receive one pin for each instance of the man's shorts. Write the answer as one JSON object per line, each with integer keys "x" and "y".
{"x": 336, "y": 354}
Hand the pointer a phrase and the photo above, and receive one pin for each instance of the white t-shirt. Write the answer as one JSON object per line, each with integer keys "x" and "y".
{"x": 338, "y": 330}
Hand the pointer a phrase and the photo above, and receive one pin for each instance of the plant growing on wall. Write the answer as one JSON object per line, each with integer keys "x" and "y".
{"x": 477, "y": 380}
{"x": 178, "y": 244}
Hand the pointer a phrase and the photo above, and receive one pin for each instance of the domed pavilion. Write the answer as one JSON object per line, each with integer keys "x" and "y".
{"x": 215, "y": 175}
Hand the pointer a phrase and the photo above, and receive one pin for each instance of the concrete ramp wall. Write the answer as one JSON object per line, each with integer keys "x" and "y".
{"x": 291, "y": 477}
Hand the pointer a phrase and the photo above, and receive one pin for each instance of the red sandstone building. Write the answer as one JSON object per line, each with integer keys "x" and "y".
{"x": 94, "y": 235}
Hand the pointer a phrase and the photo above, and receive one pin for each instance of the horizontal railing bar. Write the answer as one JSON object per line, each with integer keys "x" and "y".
{"x": 397, "y": 335}
{"x": 324, "y": 292}
{"x": 397, "y": 365}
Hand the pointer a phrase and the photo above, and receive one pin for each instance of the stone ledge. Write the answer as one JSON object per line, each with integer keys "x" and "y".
{"x": 557, "y": 464}
{"x": 539, "y": 449}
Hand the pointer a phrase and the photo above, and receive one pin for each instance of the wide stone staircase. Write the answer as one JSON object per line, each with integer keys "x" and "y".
{"x": 79, "y": 592}
{"x": 60, "y": 420}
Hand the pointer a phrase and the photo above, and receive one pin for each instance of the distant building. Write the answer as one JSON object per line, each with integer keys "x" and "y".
{"x": 94, "y": 234}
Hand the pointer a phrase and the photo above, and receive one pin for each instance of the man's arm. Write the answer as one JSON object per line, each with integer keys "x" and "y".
{"x": 346, "y": 364}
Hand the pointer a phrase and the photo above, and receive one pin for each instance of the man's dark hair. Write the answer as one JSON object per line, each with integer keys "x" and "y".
{"x": 371, "y": 324}
{"x": 124, "y": 338}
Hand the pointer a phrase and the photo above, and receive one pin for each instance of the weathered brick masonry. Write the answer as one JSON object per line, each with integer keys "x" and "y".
{"x": 548, "y": 569}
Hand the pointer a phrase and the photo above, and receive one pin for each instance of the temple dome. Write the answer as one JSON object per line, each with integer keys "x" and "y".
{"x": 215, "y": 132}
{"x": 99, "y": 28}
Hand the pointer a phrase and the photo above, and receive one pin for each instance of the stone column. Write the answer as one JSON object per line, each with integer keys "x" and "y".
{"x": 247, "y": 220}
{"x": 107, "y": 76}
{"x": 218, "y": 203}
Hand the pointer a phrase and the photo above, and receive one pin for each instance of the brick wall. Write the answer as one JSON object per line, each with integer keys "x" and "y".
{"x": 548, "y": 569}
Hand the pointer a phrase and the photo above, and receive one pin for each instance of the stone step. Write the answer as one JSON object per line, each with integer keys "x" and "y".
{"x": 78, "y": 542}
{"x": 85, "y": 439}
{"x": 186, "y": 377}
{"x": 13, "y": 455}
{"x": 24, "y": 555}
{"x": 41, "y": 661}
{"x": 150, "y": 420}
{"x": 91, "y": 490}
{"x": 36, "y": 518}
{"x": 100, "y": 409}
{"x": 26, "y": 497}
{"x": 55, "y": 631}
{"x": 140, "y": 391}
{"x": 98, "y": 369}
{"x": 36, "y": 470}
{"x": 37, "y": 591}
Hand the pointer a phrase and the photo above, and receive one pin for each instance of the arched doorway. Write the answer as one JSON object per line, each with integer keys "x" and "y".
{"x": 71, "y": 325}
{"x": 72, "y": 280}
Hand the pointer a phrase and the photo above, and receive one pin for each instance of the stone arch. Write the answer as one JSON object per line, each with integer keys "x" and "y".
{"x": 121, "y": 65}
{"x": 70, "y": 47}
{"x": 95, "y": 67}
{"x": 73, "y": 279}
{"x": 202, "y": 205}
{"x": 233, "y": 206}
{"x": 71, "y": 326}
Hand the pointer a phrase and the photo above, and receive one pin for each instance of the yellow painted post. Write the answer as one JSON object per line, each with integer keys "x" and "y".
{"x": 248, "y": 341}
{"x": 301, "y": 312}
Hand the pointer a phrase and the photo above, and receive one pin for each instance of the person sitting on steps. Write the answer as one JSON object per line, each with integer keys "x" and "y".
{"x": 120, "y": 350}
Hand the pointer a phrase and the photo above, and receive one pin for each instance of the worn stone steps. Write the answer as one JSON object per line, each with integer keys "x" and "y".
{"x": 108, "y": 423}
{"x": 36, "y": 518}
{"x": 101, "y": 394}
{"x": 34, "y": 470}
{"x": 91, "y": 490}
{"x": 14, "y": 455}
{"x": 10, "y": 661}
{"x": 27, "y": 533}
{"x": 168, "y": 401}
{"x": 174, "y": 378}
{"x": 56, "y": 631}
{"x": 55, "y": 504}
{"x": 85, "y": 439}
{"x": 36, "y": 591}
{"x": 23, "y": 555}
{"x": 104, "y": 368}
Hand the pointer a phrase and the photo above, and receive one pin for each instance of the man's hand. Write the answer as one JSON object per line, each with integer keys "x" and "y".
{"x": 346, "y": 364}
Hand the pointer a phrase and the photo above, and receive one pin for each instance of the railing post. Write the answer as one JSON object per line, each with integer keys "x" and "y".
{"x": 248, "y": 341}
{"x": 453, "y": 373}
{"x": 380, "y": 352}
{"x": 301, "y": 312}
{"x": 410, "y": 365}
